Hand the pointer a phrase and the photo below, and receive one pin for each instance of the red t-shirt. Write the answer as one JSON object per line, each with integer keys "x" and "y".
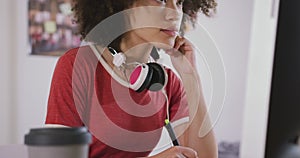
{"x": 123, "y": 123}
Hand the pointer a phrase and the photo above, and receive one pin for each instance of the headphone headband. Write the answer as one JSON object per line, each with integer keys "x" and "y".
{"x": 118, "y": 58}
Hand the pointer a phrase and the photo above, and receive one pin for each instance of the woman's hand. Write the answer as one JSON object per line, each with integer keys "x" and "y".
{"x": 183, "y": 55}
{"x": 183, "y": 60}
{"x": 177, "y": 152}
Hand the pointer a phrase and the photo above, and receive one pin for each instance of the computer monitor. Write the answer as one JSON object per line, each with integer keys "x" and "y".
{"x": 284, "y": 106}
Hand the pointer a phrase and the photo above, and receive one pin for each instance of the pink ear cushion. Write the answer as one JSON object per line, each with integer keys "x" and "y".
{"x": 135, "y": 75}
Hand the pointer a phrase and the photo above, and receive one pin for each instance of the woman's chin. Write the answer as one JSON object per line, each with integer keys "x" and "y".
{"x": 164, "y": 45}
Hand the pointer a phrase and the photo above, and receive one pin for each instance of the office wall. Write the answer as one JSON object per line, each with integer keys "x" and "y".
{"x": 33, "y": 78}
{"x": 231, "y": 30}
{"x": 6, "y": 72}
{"x": 24, "y": 79}
{"x": 32, "y": 74}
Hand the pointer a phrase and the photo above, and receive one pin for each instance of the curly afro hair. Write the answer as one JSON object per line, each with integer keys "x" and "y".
{"x": 89, "y": 13}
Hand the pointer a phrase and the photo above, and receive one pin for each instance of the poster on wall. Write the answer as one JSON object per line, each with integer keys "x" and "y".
{"x": 51, "y": 29}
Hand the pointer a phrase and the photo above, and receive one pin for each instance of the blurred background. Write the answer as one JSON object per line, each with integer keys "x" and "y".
{"x": 25, "y": 78}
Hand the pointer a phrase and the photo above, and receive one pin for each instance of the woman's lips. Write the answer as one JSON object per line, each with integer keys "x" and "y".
{"x": 169, "y": 32}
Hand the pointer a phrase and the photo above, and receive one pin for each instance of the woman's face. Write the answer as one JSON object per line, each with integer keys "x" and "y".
{"x": 155, "y": 21}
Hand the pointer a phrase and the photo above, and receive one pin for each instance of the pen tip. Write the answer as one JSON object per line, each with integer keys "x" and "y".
{"x": 167, "y": 121}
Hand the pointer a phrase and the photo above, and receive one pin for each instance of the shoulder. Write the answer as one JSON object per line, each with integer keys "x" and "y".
{"x": 81, "y": 55}
{"x": 73, "y": 53}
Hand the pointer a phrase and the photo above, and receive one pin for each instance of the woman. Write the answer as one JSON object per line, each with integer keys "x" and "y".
{"x": 90, "y": 88}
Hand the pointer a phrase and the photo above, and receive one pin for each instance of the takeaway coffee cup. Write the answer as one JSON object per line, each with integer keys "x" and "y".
{"x": 61, "y": 142}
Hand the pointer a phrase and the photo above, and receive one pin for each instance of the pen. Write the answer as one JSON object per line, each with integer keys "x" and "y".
{"x": 171, "y": 132}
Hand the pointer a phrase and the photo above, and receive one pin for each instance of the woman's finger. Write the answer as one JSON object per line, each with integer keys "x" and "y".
{"x": 179, "y": 41}
{"x": 188, "y": 152}
{"x": 186, "y": 48}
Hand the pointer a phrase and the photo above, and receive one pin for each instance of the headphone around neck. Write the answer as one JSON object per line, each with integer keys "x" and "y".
{"x": 151, "y": 76}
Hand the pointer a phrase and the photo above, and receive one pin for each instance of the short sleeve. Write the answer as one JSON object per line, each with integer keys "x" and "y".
{"x": 61, "y": 108}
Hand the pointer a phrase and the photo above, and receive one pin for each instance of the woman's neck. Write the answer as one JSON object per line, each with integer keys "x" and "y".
{"x": 135, "y": 49}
